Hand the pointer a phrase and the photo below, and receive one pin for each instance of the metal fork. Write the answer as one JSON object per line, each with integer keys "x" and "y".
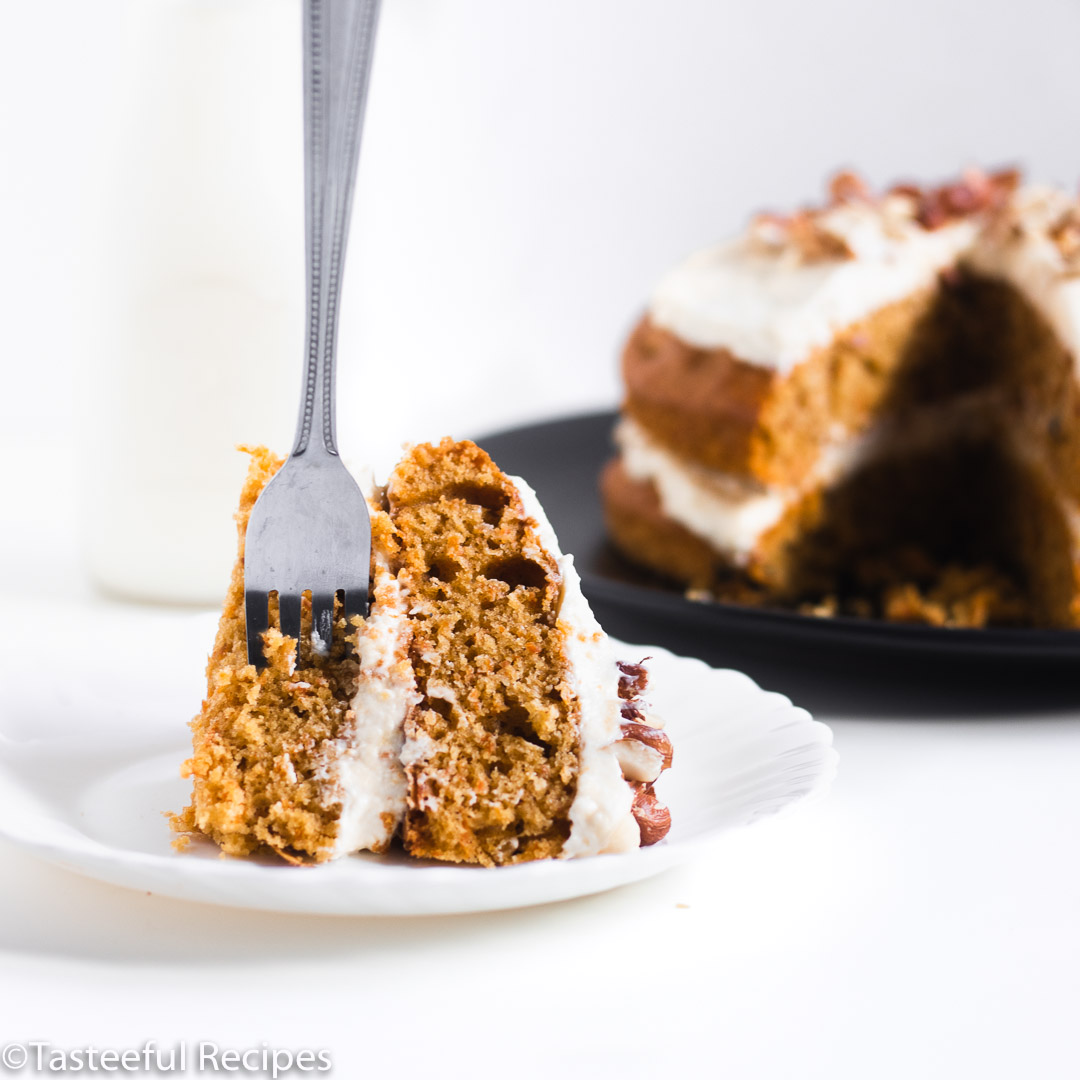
{"x": 310, "y": 529}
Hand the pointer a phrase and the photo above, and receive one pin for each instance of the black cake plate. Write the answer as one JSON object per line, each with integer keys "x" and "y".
{"x": 562, "y": 460}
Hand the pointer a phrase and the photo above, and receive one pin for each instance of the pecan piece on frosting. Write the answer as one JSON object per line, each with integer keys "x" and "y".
{"x": 633, "y": 711}
{"x": 815, "y": 243}
{"x": 1005, "y": 181}
{"x": 802, "y": 234}
{"x": 768, "y": 232}
{"x": 653, "y": 818}
{"x": 974, "y": 192}
{"x": 1065, "y": 235}
{"x": 638, "y": 762}
{"x": 907, "y": 189}
{"x": 643, "y": 752}
{"x": 633, "y": 679}
{"x": 846, "y": 187}
{"x": 652, "y": 738}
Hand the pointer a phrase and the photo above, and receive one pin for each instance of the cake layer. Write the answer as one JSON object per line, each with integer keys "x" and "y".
{"x": 493, "y": 755}
{"x": 637, "y": 524}
{"x": 268, "y": 744}
{"x": 716, "y": 410}
{"x": 731, "y": 514}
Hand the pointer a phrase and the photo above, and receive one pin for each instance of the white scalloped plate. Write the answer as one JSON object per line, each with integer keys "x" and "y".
{"x": 95, "y": 803}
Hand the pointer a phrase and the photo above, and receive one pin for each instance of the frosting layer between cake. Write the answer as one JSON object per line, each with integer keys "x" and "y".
{"x": 366, "y": 765}
{"x": 732, "y": 514}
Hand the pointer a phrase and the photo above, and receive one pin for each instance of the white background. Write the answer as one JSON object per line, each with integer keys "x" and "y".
{"x": 528, "y": 170}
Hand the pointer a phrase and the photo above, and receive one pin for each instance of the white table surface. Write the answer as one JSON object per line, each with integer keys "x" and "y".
{"x": 923, "y": 920}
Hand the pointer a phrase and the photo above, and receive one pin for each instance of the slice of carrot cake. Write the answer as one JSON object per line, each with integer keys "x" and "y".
{"x": 478, "y": 712}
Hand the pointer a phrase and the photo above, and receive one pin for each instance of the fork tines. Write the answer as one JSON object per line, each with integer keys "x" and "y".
{"x": 309, "y": 531}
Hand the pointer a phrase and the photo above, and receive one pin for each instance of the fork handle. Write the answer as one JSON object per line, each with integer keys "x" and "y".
{"x": 339, "y": 38}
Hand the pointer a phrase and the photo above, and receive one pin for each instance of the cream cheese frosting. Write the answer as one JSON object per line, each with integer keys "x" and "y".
{"x": 760, "y": 300}
{"x": 731, "y": 514}
{"x": 366, "y": 764}
{"x": 601, "y": 819}
{"x": 1035, "y": 246}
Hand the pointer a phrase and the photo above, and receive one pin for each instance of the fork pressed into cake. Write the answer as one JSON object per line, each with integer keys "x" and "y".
{"x": 310, "y": 530}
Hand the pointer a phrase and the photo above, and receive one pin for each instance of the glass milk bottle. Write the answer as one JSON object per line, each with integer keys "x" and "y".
{"x": 202, "y": 318}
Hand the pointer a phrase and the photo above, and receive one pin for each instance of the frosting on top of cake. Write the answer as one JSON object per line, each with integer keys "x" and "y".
{"x": 1034, "y": 244}
{"x": 787, "y": 285}
{"x": 601, "y": 817}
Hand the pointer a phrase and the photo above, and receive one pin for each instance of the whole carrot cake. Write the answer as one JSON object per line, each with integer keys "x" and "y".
{"x": 869, "y": 407}
{"x": 477, "y": 713}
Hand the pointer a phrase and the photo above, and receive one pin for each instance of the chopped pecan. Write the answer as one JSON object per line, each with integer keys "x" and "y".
{"x": 634, "y": 711}
{"x": 651, "y": 737}
{"x": 769, "y": 231}
{"x": 964, "y": 197}
{"x": 1004, "y": 181}
{"x": 932, "y": 213}
{"x": 910, "y": 191}
{"x": 801, "y": 233}
{"x": 1065, "y": 234}
{"x": 814, "y": 243}
{"x": 847, "y": 187}
{"x": 771, "y": 219}
{"x": 974, "y": 192}
{"x": 633, "y": 679}
{"x": 653, "y": 818}
{"x": 637, "y": 761}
